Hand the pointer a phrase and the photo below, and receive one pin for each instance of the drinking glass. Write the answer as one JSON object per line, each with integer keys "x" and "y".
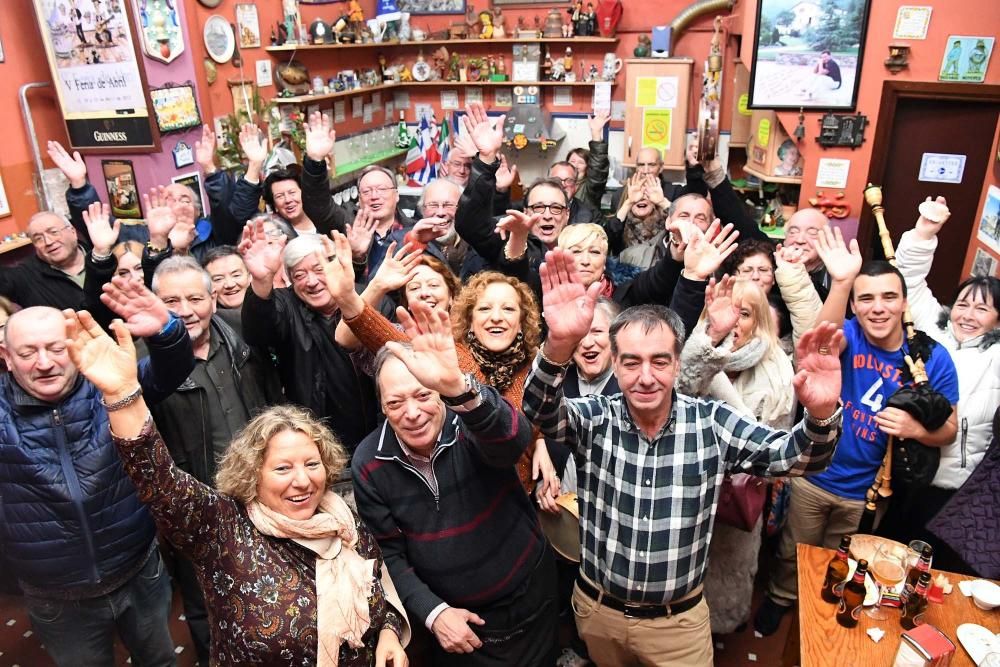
{"x": 888, "y": 569}
{"x": 916, "y": 548}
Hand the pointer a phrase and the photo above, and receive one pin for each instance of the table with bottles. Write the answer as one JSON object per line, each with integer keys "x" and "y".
{"x": 822, "y": 641}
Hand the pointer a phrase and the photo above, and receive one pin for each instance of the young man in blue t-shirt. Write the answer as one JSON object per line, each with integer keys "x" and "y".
{"x": 827, "y": 506}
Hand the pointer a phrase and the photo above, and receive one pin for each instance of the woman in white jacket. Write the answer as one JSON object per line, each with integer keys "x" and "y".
{"x": 969, "y": 331}
{"x": 734, "y": 355}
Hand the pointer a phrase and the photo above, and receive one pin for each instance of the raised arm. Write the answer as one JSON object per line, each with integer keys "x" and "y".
{"x": 473, "y": 219}
{"x": 317, "y": 203}
{"x": 797, "y": 289}
{"x": 914, "y": 257}
{"x": 843, "y": 265}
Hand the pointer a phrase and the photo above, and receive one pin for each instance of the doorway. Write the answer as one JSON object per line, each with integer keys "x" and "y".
{"x": 927, "y": 117}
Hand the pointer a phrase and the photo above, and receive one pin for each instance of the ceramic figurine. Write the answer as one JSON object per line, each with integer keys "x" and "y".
{"x": 486, "y": 18}
{"x": 643, "y": 48}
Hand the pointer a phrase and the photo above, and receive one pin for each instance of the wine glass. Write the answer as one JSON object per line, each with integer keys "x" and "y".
{"x": 888, "y": 569}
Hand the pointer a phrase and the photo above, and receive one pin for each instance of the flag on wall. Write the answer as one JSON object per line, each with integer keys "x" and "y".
{"x": 424, "y": 169}
{"x": 444, "y": 138}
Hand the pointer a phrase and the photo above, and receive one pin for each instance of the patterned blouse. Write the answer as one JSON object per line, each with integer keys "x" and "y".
{"x": 260, "y": 591}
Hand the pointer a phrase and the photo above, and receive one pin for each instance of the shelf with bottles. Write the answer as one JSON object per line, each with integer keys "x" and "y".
{"x": 287, "y": 48}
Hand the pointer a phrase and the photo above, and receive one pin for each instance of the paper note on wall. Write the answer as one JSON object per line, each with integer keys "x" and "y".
{"x": 602, "y": 96}
{"x": 656, "y": 91}
{"x": 339, "y": 111}
{"x": 357, "y": 107}
{"x": 449, "y": 99}
{"x": 562, "y": 96}
{"x": 656, "y": 128}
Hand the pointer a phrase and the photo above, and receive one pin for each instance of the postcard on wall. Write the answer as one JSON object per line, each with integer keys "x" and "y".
{"x": 989, "y": 223}
{"x": 562, "y": 96}
{"x": 449, "y": 99}
{"x": 474, "y": 94}
{"x": 339, "y": 111}
{"x": 942, "y": 168}
{"x": 503, "y": 97}
{"x": 4, "y": 203}
{"x": 264, "y": 77}
{"x": 966, "y": 59}
{"x": 832, "y": 173}
{"x": 367, "y": 111}
{"x": 357, "y": 106}
{"x": 193, "y": 181}
{"x": 248, "y": 26}
{"x": 984, "y": 264}
{"x": 912, "y": 22}
{"x": 401, "y": 98}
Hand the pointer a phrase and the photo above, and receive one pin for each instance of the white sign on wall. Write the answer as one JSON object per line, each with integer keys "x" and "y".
{"x": 942, "y": 168}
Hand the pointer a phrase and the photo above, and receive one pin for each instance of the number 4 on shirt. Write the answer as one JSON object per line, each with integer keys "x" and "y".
{"x": 872, "y": 399}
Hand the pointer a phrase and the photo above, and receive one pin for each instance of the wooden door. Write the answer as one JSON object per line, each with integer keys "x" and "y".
{"x": 924, "y": 124}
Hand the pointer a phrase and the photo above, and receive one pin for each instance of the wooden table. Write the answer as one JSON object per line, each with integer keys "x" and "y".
{"x": 823, "y": 641}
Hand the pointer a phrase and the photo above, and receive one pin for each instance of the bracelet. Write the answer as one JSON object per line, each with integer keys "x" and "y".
{"x": 125, "y": 402}
{"x": 829, "y": 420}
{"x": 514, "y": 259}
{"x": 154, "y": 250}
{"x": 541, "y": 354}
{"x": 99, "y": 258}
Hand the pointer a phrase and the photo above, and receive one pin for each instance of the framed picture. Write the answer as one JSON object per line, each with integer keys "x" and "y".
{"x": 242, "y": 92}
{"x": 984, "y": 264}
{"x": 123, "y": 194}
{"x": 175, "y": 107}
{"x": 247, "y": 26}
{"x": 183, "y": 155}
{"x": 415, "y": 7}
{"x": 966, "y": 58}
{"x": 318, "y": 2}
{"x": 193, "y": 181}
{"x": 84, "y": 48}
{"x": 808, "y": 54}
{"x": 160, "y": 29}
{"x": 989, "y": 223}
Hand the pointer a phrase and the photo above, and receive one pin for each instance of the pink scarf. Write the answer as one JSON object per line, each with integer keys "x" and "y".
{"x": 344, "y": 580}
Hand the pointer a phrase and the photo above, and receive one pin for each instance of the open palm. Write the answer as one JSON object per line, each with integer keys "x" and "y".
{"x": 102, "y": 233}
{"x": 109, "y": 365}
{"x": 339, "y": 271}
{"x": 261, "y": 254}
{"x": 487, "y": 137}
{"x": 252, "y": 143}
{"x": 397, "y": 268}
{"x": 432, "y": 359}
{"x": 144, "y": 313}
{"x": 817, "y": 382}
{"x": 568, "y": 305}
{"x": 842, "y": 263}
{"x": 320, "y": 136}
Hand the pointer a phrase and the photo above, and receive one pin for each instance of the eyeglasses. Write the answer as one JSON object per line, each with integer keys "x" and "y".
{"x": 440, "y": 206}
{"x": 381, "y": 190}
{"x": 50, "y": 233}
{"x": 459, "y": 166}
{"x": 554, "y": 209}
{"x": 273, "y": 233}
{"x": 751, "y": 270}
{"x": 566, "y": 181}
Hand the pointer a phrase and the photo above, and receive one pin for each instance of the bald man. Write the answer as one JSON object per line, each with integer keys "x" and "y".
{"x": 77, "y": 537}
{"x": 800, "y": 230}
{"x": 53, "y": 276}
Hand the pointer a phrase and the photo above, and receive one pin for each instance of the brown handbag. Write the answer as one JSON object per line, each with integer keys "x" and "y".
{"x": 741, "y": 501}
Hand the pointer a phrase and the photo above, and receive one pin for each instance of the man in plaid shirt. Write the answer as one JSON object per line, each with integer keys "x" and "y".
{"x": 651, "y": 462}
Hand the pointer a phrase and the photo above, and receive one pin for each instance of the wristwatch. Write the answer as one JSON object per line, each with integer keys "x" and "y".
{"x": 471, "y": 394}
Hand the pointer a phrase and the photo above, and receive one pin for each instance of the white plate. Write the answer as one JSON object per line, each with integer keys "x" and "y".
{"x": 977, "y": 640}
{"x": 220, "y": 42}
{"x": 871, "y": 588}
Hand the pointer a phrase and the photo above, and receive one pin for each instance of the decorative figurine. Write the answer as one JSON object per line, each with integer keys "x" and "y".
{"x": 575, "y": 12}
{"x": 471, "y": 20}
{"x": 356, "y": 18}
{"x": 568, "y": 60}
{"x": 421, "y": 70}
{"x": 558, "y": 70}
{"x": 591, "y": 17}
{"x": 486, "y": 18}
{"x": 593, "y": 76}
{"x": 290, "y": 11}
{"x": 499, "y": 30}
{"x": 463, "y": 74}
{"x": 453, "y": 66}
{"x": 440, "y": 58}
{"x": 501, "y": 68}
{"x": 538, "y": 26}
{"x": 553, "y": 24}
{"x": 475, "y": 72}
{"x": 547, "y": 65}
{"x": 643, "y": 48}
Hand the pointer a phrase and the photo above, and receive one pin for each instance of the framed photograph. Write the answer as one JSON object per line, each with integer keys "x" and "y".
{"x": 808, "y": 54}
{"x": 175, "y": 107}
{"x": 989, "y": 224}
{"x": 85, "y": 48}
{"x": 220, "y": 42}
{"x": 966, "y": 59}
{"x": 984, "y": 263}
{"x": 193, "y": 181}
{"x": 123, "y": 194}
{"x": 416, "y": 7}
{"x": 248, "y": 26}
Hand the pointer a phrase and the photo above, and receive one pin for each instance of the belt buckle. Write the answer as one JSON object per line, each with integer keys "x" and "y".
{"x": 633, "y": 611}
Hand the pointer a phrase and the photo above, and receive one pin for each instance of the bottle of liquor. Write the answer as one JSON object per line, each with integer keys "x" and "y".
{"x": 836, "y": 572}
{"x": 402, "y": 134}
{"x": 916, "y": 602}
{"x": 922, "y": 565}
{"x": 853, "y": 597}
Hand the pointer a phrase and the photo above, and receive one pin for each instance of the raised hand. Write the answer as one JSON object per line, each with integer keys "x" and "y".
{"x": 597, "y": 123}
{"x": 432, "y": 358}
{"x": 653, "y": 189}
{"x": 144, "y": 313}
{"x": 102, "y": 233}
{"x": 361, "y": 233}
{"x": 160, "y": 218}
{"x": 506, "y": 174}
{"x": 487, "y": 136}
{"x": 204, "y": 149}
{"x": 634, "y": 188}
{"x": 704, "y": 253}
{"x": 320, "y": 136}
{"x": 721, "y": 312}
{"x": 261, "y": 253}
{"x": 933, "y": 215}
{"x": 841, "y": 263}
{"x": 429, "y": 229}
{"x": 182, "y": 236}
{"x": 517, "y": 224}
{"x": 110, "y": 366}
{"x": 464, "y": 145}
{"x": 339, "y": 271}
{"x": 691, "y": 154}
{"x": 397, "y": 268}
{"x": 784, "y": 255}
{"x": 451, "y": 629}
{"x": 72, "y": 167}
{"x": 568, "y": 306}
{"x": 817, "y": 382}
{"x": 253, "y": 144}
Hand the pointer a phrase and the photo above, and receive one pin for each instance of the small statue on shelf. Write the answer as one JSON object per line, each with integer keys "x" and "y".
{"x": 643, "y": 48}
{"x": 575, "y": 12}
{"x": 453, "y": 68}
{"x": 591, "y": 19}
{"x": 568, "y": 61}
{"x": 558, "y": 70}
{"x": 593, "y": 76}
{"x": 499, "y": 30}
{"x": 501, "y": 68}
{"x": 567, "y": 30}
{"x": 547, "y": 65}
{"x": 486, "y": 18}
{"x": 356, "y": 17}
{"x": 538, "y": 25}
{"x": 441, "y": 59}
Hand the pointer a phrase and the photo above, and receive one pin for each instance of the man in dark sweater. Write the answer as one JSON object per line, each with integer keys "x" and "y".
{"x": 438, "y": 487}
{"x": 53, "y": 276}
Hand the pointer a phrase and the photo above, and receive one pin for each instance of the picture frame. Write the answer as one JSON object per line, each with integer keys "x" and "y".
{"x": 966, "y": 58}
{"x": 808, "y": 55}
{"x": 247, "y": 26}
{"x": 192, "y": 180}
{"x": 319, "y": 2}
{"x": 175, "y": 107}
{"x": 989, "y": 221}
{"x": 424, "y": 7}
{"x": 160, "y": 28}
{"x": 984, "y": 263}
{"x": 183, "y": 155}
{"x": 242, "y": 91}
{"x": 123, "y": 192}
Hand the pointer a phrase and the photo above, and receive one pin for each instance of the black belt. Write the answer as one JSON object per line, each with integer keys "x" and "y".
{"x": 639, "y": 610}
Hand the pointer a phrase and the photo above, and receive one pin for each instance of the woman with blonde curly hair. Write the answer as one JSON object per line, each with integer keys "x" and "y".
{"x": 289, "y": 572}
{"x": 495, "y": 321}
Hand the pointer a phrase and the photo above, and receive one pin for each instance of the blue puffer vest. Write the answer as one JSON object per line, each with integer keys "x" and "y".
{"x": 71, "y": 517}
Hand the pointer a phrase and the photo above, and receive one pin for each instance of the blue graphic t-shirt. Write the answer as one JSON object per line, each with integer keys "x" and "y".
{"x": 870, "y": 375}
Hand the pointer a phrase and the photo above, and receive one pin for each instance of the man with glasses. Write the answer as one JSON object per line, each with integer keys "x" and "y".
{"x": 378, "y": 218}
{"x": 457, "y": 168}
{"x": 435, "y": 231}
{"x": 54, "y": 275}
{"x": 569, "y": 178}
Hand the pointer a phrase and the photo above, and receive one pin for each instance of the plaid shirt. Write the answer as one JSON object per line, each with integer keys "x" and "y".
{"x": 647, "y": 506}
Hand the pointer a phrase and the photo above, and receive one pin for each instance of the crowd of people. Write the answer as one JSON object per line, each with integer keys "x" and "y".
{"x": 182, "y": 397}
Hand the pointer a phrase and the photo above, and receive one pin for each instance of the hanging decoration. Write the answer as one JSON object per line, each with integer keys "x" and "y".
{"x": 160, "y": 25}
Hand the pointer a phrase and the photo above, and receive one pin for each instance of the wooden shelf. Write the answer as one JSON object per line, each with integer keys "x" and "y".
{"x": 286, "y": 48}
{"x": 502, "y": 83}
{"x": 377, "y": 158}
{"x": 797, "y": 180}
{"x": 309, "y": 99}
{"x": 14, "y": 244}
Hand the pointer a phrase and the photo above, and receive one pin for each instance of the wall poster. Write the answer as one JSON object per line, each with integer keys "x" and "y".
{"x": 98, "y": 76}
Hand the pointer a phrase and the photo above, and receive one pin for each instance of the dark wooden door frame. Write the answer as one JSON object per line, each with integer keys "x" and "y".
{"x": 892, "y": 93}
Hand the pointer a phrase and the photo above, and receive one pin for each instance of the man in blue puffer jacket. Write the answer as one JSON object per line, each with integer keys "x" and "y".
{"x": 78, "y": 538}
